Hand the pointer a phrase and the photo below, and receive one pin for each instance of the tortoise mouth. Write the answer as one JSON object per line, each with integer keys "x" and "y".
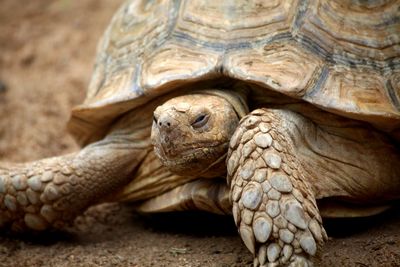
{"x": 173, "y": 152}
{"x": 197, "y": 161}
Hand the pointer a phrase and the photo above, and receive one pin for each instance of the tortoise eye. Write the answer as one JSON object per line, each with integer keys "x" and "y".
{"x": 200, "y": 121}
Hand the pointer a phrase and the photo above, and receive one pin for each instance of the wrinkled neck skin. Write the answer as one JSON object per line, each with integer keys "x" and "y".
{"x": 191, "y": 133}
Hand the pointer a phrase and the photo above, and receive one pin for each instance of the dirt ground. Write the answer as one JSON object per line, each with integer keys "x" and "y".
{"x": 46, "y": 55}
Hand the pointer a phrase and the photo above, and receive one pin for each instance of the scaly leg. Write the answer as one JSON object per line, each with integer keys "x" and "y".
{"x": 273, "y": 205}
{"x": 49, "y": 192}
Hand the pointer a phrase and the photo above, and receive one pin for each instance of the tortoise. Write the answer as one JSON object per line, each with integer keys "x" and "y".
{"x": 259, "y": 109}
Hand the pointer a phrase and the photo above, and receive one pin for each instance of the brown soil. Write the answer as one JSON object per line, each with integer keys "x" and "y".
{"x": 47, "y": 49}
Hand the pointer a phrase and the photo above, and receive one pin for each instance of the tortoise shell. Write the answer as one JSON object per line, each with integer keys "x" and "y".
{"x": 341, "y": 56}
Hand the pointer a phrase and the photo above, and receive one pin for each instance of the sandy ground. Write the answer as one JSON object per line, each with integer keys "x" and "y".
{"x": 46, "y": 54}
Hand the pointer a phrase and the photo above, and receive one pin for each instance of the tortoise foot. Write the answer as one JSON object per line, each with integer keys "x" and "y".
{"x": 51, "y": 192}
{"x": 273, "y": 206}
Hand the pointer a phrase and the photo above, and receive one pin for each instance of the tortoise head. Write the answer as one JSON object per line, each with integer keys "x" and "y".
{"x": 191, "y": 132}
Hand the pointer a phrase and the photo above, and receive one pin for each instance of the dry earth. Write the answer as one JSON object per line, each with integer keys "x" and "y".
{"x": 47, "y": 50}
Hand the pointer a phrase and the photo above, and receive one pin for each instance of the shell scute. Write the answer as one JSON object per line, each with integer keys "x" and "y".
{"x": 339, "y": 56}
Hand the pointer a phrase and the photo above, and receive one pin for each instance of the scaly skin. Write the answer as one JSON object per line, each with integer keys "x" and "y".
{"x": 49, "y": 193}
{"x": 274, "y": 207}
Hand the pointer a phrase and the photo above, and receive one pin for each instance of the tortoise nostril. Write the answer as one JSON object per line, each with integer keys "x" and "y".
{"x": 165, "y": 122}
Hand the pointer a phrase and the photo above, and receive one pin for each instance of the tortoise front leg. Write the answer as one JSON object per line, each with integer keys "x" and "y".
{"x": 273, "y": 205}
{"x": 49, "y": 192}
